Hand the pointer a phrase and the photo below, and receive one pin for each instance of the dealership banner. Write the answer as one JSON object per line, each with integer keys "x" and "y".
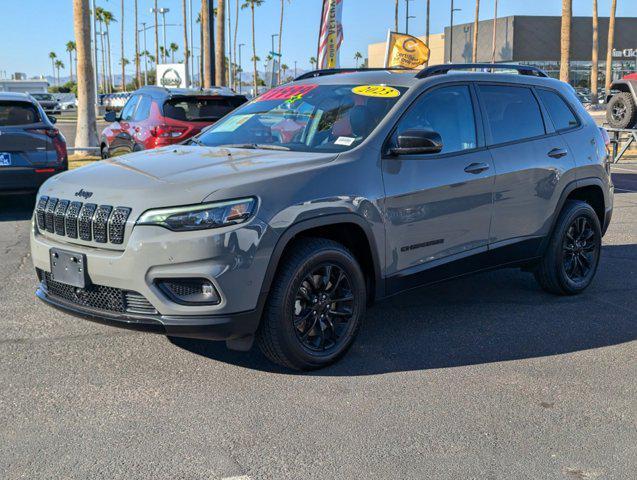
{"x": 405, "y": 51}
{"x": 330, "y": 34}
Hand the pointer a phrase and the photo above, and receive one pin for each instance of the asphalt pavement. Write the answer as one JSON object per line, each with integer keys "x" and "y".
{"x": 485, "y": 377}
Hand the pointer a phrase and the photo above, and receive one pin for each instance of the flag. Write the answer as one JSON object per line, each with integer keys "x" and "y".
{"x": 330, "y": 34}
{"x": 405, "y": 51}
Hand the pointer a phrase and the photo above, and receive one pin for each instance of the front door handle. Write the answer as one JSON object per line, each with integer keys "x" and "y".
{"x": 558, "y": 153}
{"x": 476, "y": 168}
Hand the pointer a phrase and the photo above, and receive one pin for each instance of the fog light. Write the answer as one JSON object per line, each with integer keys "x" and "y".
{"x": 189, "y": 291}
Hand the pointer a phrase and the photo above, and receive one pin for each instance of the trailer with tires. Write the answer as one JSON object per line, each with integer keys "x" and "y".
{"x": 621, "y": 104}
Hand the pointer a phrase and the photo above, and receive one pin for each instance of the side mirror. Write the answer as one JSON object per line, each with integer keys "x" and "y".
{"x": 52, "y": 119}
{"x": 418, "y": 141}
{"x": 110, "y": 116}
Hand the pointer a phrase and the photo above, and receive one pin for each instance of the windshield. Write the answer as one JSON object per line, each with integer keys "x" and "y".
{"x": 305, "y": 117}
{"x": 42, "y": 96}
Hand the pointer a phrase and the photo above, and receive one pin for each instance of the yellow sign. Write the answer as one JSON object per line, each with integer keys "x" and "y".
{"x": 405, "y": 51}
{"x": 376, "y": 91}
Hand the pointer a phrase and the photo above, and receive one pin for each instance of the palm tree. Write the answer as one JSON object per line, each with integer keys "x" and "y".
{"x": 99, "y": 16}
{"x": 474, "y": 53}
{"x": 173, "y": 47}
{"x": 220, "y": 44}
{"x": 609, "y": 49}
{"x": 252, "y": 4}
{"x": 86, "y": 130}
{"x": 186, "y": 50}
{"x": 313, "y": 62}
{"x": 595, "y": 57}
{"x": 206, "y": 68}
{"x": 121, "y": 39}
{"x": 70, "y": 47}
{"x": 124, "y": 62}
{"x": 284, "y": 68}
{"x": 357, "y": 57}
{"x": 58, "y": 65}
{"x": 53, "y": 56}
{"x": 565, "y": 47}
{"x": 162, "y": 52}
{"x": 108, "y": 18}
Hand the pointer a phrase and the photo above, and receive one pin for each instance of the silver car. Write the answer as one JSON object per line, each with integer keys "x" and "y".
{"x": 289, "y": 216}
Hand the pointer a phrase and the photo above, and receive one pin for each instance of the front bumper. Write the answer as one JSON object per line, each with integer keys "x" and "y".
{"x": 212, "y": 327}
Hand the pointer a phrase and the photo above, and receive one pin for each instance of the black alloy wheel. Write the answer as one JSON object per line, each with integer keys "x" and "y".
{"x": 580, "y": 250}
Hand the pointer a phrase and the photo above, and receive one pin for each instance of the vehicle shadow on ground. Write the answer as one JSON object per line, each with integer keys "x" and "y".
{"x": 490, "y": 317}
{"x": 625, "y": 181}
{"x": 16, "y": 207}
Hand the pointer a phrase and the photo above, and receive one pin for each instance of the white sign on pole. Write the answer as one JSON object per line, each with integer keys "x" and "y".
{"x": 171, "y": 75}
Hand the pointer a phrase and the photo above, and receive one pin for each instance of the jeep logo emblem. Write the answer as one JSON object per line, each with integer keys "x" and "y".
{"x": 84, "y": 194}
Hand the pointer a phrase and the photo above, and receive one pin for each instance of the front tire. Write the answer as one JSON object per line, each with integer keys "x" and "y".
{"x": 572, "y": 256}
{"x": 315, "y": 306}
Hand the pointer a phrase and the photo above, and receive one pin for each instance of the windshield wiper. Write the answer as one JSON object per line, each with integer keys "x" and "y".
{"x": 255, "y": 146}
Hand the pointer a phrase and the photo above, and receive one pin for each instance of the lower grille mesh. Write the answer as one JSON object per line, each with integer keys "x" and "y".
{"x": 99, "y": 297}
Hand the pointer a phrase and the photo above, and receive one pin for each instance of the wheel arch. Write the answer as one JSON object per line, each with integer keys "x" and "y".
{"x": 351, "y": 230}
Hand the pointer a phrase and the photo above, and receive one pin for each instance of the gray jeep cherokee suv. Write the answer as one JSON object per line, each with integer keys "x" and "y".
{"x": 289, "y": 216}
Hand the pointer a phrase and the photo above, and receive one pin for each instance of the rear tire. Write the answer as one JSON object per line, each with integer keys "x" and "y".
{"x": 621, "y": 111}
{"x": 571, "y": 258}
{"x": 315, "y": 306}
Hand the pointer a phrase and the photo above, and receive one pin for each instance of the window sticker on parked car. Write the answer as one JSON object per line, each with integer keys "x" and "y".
{"x": 382, "y": 91}
{"x": 347, "y": 141}
{"x": 232, "y": 123}
{"x": 287, "y": 93}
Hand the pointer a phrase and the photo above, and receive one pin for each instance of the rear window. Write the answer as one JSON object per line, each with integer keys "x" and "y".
{"x": 201, "y": 109}
{"x": 42, "y": 96}
{"x": 17, "y": 113}
{"x": 512, "y": 113}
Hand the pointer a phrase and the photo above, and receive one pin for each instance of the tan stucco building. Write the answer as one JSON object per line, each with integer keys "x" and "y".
{"x": 376, "y": 51}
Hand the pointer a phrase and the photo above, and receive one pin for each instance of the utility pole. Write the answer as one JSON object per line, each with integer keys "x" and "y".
{"x": 163, "y": 12}
{"x": 294, "y": 68}
{"x": 145, "y": 55}
{"x": 453, "y": 10}
{"x": 95, "y": 74}
{"x": 495, "y": 28}
{"x": 407, "y": 16}
{"x": 241, "y": 45}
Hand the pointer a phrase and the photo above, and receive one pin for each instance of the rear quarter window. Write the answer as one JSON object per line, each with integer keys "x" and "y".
{"x": 512, "y": 113}
{"x": 561, "y": 114}
{"x": 18, "y": 113}
{"x": 201, "y": 109}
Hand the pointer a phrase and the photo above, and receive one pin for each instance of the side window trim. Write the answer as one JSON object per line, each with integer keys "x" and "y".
{"x": 477, "y": 115}
{"x": 568, "y": 105}
{"x": 487, "y": 130}
{"x": 135, "y": 102}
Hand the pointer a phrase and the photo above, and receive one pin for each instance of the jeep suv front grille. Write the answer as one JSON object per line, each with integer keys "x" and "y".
{"x": 90, "y": 222}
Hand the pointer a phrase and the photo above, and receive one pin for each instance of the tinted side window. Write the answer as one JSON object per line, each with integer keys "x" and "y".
{"x": 560, "y": 113}
{"x": 18, "y": 113}
{"x": 448, "y": 111}
{"x": 143, "y": 109}
{"x": 129, "y": 108}
{"x": 512, "y": 113}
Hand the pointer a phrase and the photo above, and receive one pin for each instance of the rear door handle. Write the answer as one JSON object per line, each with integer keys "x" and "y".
{"x": 476, "y": 168}
{"x": 558, "y": 153}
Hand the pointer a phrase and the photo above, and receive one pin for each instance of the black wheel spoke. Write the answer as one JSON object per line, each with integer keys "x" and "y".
{"x": 347, "y": 298}
{"x": 580, "y": 249}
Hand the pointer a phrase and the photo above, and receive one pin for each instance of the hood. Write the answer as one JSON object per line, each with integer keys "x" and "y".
{"x": 176, "y": 175}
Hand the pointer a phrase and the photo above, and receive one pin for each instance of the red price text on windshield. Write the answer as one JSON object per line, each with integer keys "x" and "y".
{"x": 284, "y": 93}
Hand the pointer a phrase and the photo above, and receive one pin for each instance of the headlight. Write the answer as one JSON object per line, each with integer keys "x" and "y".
{"x": 200, "y": 217}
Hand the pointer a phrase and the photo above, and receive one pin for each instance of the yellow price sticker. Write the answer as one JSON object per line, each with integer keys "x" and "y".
{"x": 376, "y": 91}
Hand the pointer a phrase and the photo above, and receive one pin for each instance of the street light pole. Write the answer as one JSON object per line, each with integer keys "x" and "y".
{"x": 453, "y": 10}
{"x": 163, "y": 12}
{"x": 145, "y": 55}
{"x": 407, "y": 16}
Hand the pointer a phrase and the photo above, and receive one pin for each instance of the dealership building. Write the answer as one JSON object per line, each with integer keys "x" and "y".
{"x": 533, "y": 40}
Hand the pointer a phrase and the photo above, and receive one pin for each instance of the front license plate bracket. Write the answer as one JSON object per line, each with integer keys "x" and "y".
{"x": 68, "y": 268}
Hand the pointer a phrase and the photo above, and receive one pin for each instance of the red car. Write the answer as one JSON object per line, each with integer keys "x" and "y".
{"x": 156, "y": 116}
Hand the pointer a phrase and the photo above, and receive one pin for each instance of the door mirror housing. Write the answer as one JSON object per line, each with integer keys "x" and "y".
{"x": 110, "y": 116}
{"x": 418, "y": 141}
{"x": 52, "y": 119}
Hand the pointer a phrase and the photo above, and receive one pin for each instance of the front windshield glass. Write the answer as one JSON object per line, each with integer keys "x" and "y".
{"x": 42, "y": 96}
{"x": 305, "y": 117}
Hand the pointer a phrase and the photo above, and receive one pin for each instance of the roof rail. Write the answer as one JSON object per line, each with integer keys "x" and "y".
{"x": 334, "y": 71}
{"x": 442, "y": 69}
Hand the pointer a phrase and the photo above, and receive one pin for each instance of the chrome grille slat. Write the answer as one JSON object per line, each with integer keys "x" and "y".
{"x": 86, "y": 221}
{"x": 100, "y": 220}
{"x": 48, "y": 215}
{"x": 59, "y": 217}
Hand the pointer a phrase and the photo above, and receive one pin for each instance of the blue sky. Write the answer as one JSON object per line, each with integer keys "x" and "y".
{"x": 29, "y": 29}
